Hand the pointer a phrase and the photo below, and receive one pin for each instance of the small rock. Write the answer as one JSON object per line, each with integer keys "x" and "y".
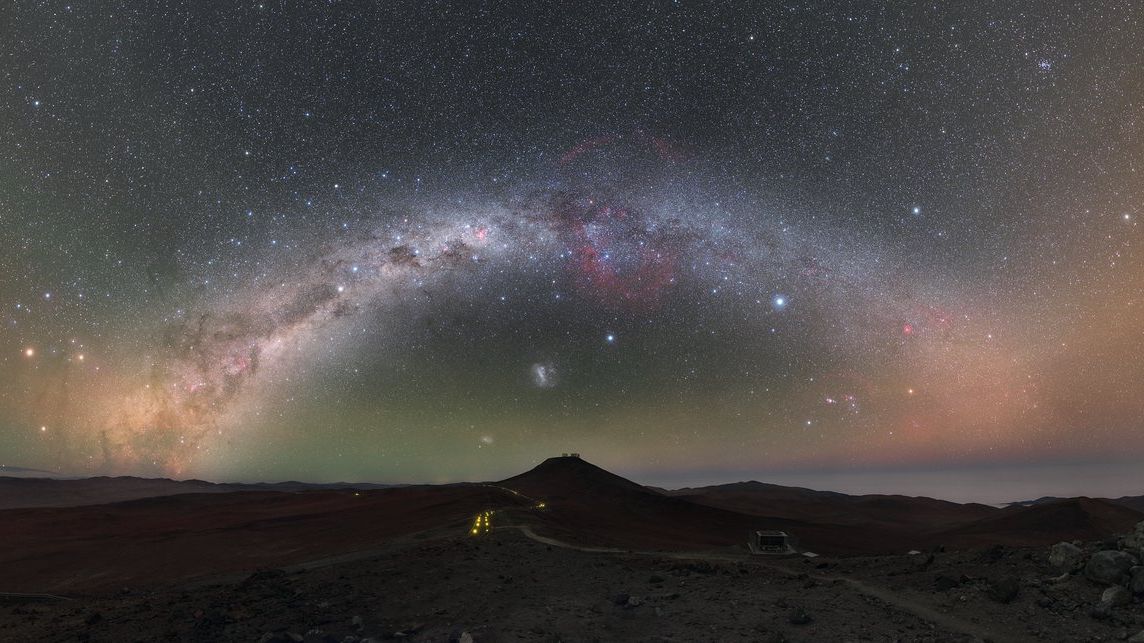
{"x": 1004, "y": 590}
{"x": 1109, "y": 567}
{"x": 357, "y": 622}
{"x": 1101, "y": 611}
{"x": 634, "y": 601}
{"x": 1137, "y": 638}
{"x": 995, "y": 553}
{"x": 655, "y": 578}
{"x": 465, "y": 637}
{"x": 799, "y": 616}
{"x": 944, "y": 583}
{"x": 621, "y": 598}
{"x": 409, "y": 631}
{"x": 1116, "y": 596}
{"x": 1066, "y": 556}
{"x": 93, "y": 618}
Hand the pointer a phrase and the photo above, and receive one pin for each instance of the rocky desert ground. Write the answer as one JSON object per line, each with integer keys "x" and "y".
{"x": 504, "y": 585}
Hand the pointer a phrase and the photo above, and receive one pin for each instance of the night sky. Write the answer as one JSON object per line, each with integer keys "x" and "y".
{"x": 433, "y": 241}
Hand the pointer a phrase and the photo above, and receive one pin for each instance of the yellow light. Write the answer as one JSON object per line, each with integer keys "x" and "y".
{"x": 80, "y": 357}
{"x": 29, "y": 352}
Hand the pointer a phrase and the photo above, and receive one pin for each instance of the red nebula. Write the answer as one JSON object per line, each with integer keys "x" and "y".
{"x": 615, "y": 260}
{"x": 640, "y": 283}
{"x": 664, "y": 149}
{"x": 585, "y": 146}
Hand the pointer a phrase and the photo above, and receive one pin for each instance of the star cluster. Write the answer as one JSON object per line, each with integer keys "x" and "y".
{"x": 434, "y": 240}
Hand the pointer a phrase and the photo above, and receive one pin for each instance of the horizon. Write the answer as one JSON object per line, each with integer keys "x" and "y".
{"x": 978, "y": 484}
{"x": 841, "y": 243}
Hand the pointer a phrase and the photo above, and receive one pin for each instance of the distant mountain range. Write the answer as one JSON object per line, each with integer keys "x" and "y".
{"x": 1132, "y": 502}
{"x": 17, "y": 491}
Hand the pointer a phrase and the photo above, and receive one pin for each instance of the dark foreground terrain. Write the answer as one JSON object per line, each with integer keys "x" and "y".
{"x": 565, "y": 551}
{"x": 505, "y": 586}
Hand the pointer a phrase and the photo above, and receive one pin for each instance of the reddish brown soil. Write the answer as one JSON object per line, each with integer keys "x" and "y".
{"x": 158, "y": 540}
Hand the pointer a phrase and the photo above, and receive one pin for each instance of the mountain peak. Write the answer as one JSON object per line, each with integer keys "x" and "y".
{"x": 569, "y": 474}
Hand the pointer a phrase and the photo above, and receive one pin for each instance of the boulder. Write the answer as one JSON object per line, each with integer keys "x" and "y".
{"x": 1109, "y": 567}
{"x": 1135, "y": 541}
{"x": 1116, "y": 596}
{"x": 922, "y": 561}
{"x": 1066, "y": 556}
{"x": 1136, "y": 584}
{"x": 1137, "y": 638}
